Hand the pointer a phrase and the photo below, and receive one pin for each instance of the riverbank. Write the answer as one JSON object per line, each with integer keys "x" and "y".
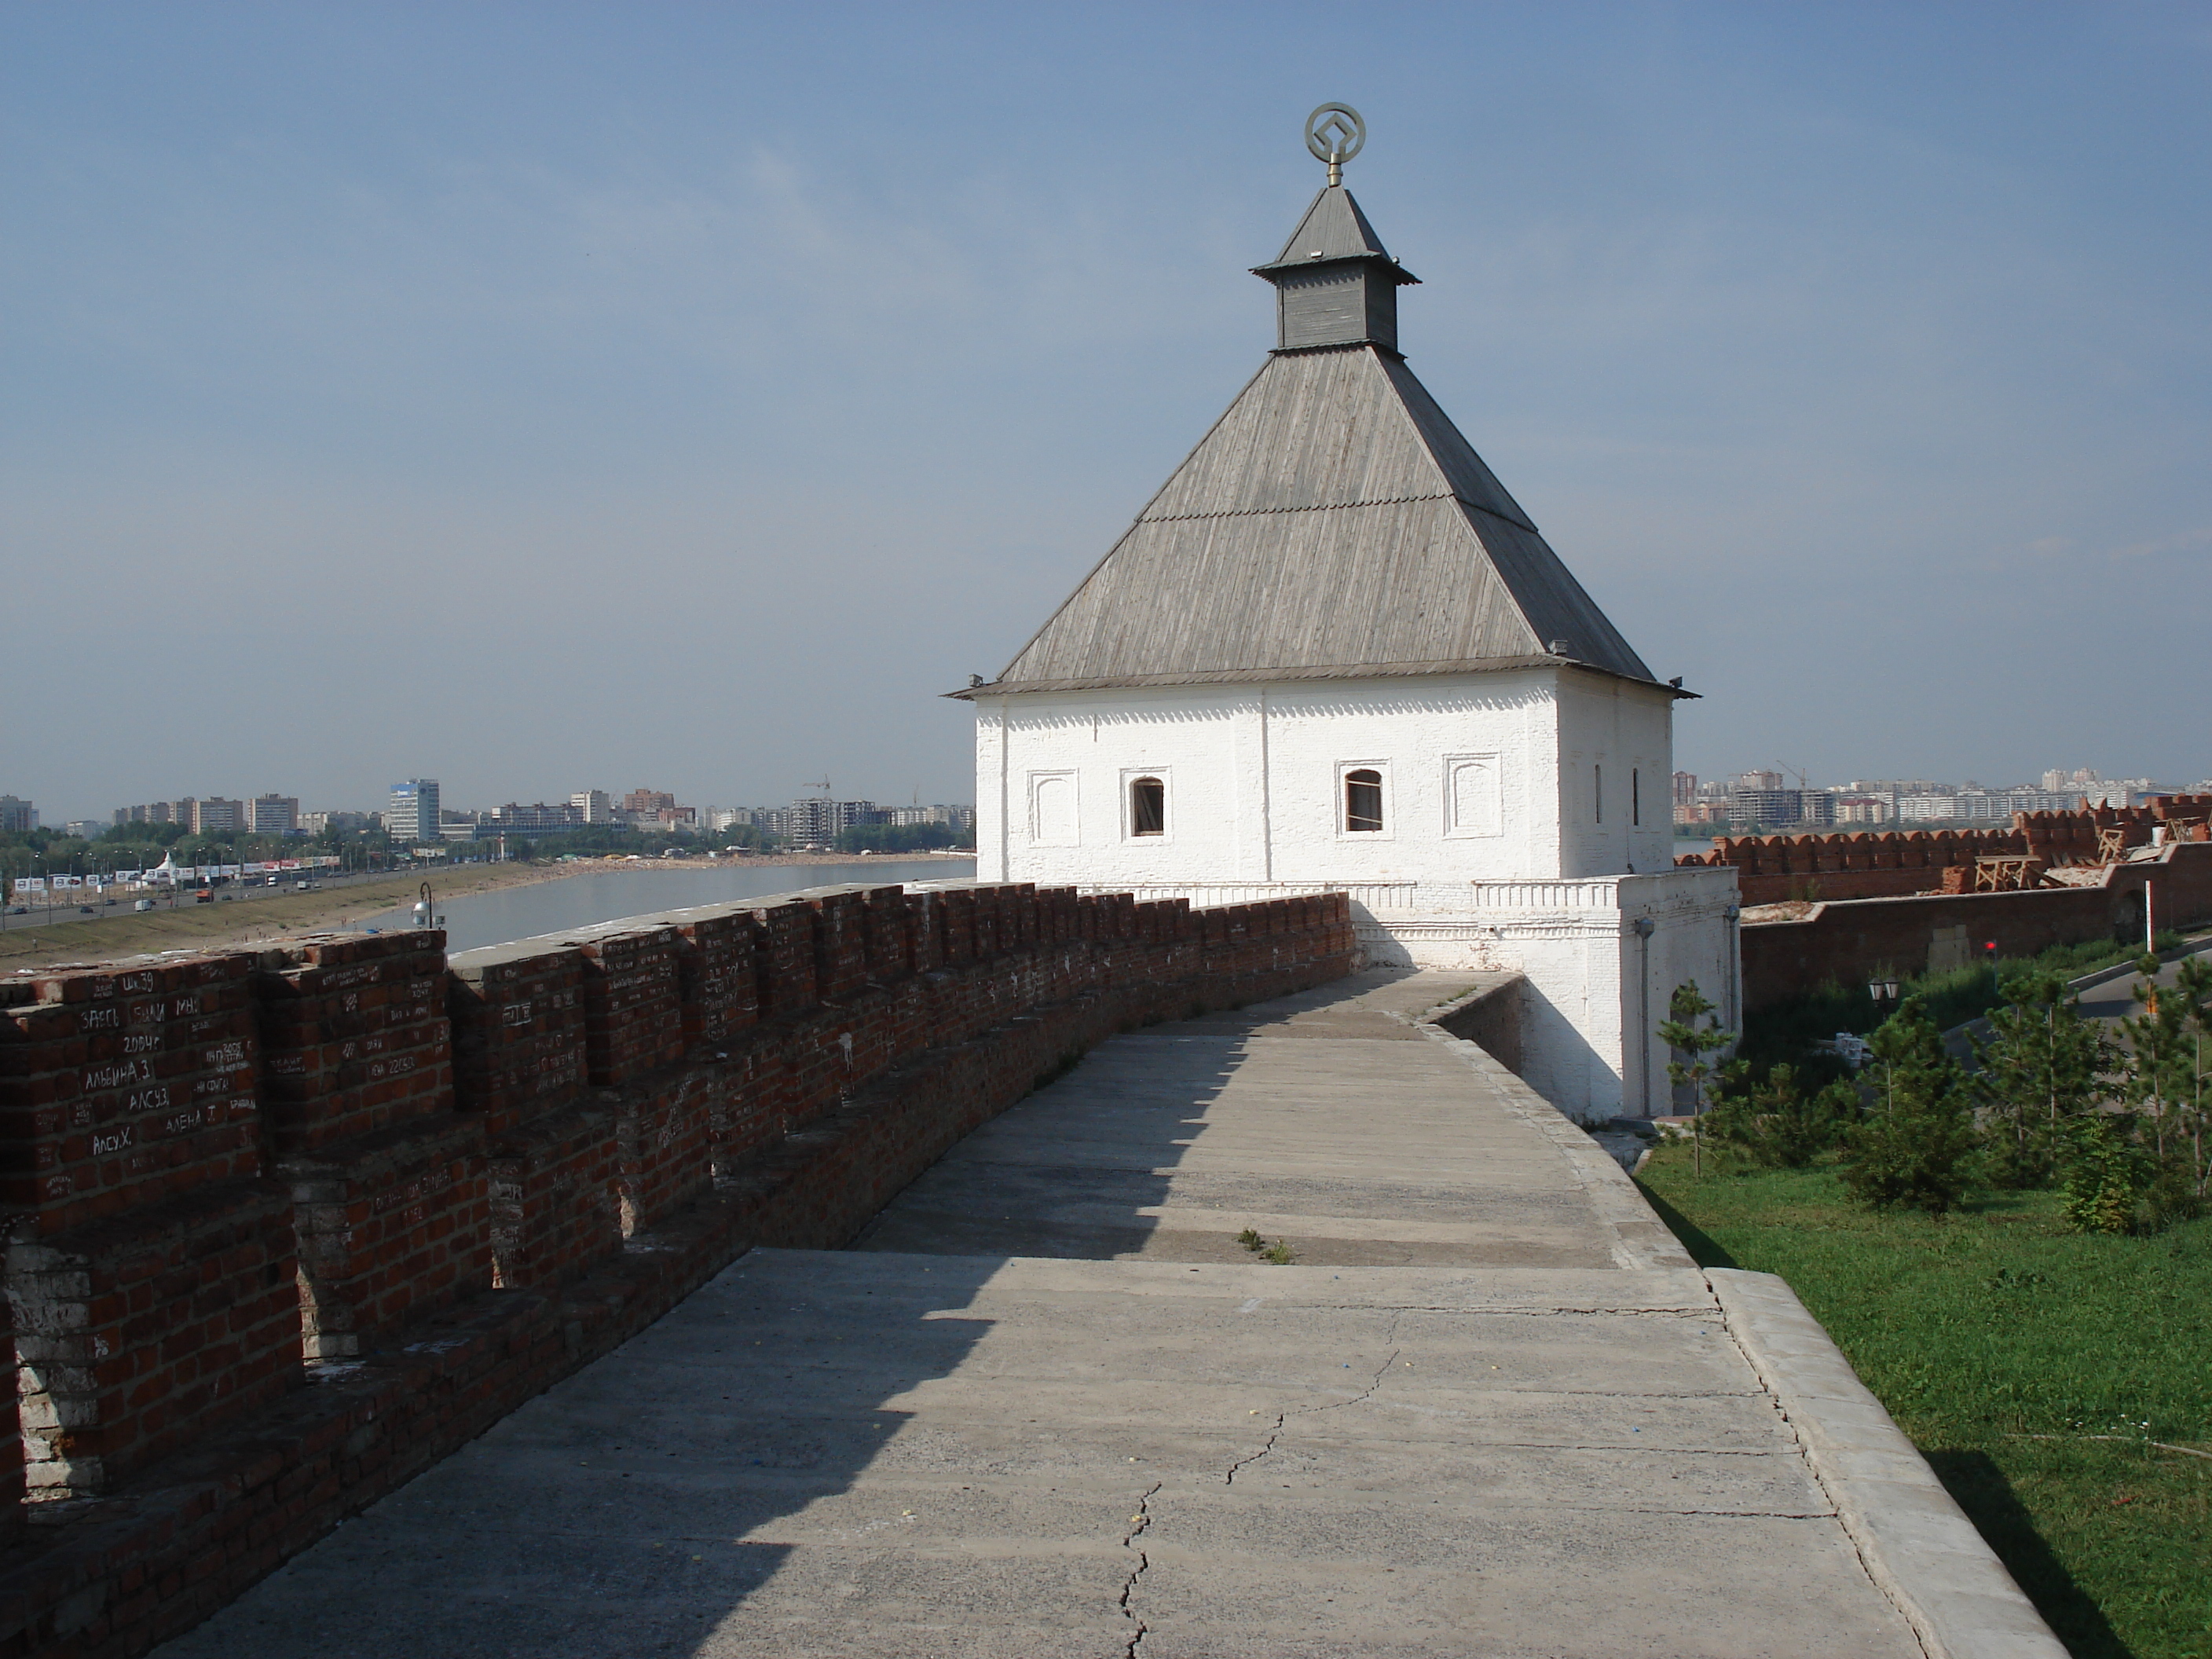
{"x": 258, "y": 918}
{"x": 767, "y": 859}
{"x": 256, "y": 915}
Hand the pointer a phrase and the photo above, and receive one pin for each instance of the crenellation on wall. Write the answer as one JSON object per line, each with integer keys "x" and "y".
{"x": 718, "y": 972}
{"x": 518, "y": 1019}
{"x": 633, "y": 1007}
{"x": 787, "y": 957}
{"x": 1896, "y": 863}
{"x": 840, "y": 943}
{"x": 354, "y": 1037}
{"x": 120, "y": 1087}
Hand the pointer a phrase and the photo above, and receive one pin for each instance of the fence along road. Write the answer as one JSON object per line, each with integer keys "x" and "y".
{"x": 1049, "y": 1404}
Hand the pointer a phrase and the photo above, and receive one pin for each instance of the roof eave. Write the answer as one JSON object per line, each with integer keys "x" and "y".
{"x": 1397, "y": 271}
{"x": 1292, "y": 676}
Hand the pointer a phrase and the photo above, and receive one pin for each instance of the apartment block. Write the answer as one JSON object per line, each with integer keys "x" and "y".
{"x": 218, "y": 815}
{"x": 272, "y": 814}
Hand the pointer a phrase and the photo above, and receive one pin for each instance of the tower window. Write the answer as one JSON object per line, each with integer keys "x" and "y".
{"x": 1148, "y": 807}
{"x": 1362, "y": 799}
{"x": 1597, "y": 791}
{"x": 1635, "y": 796}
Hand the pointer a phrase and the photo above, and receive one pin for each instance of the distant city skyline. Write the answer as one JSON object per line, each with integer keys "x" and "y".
{"x": 691, "y": 391}
{"x": 593, "y": 803}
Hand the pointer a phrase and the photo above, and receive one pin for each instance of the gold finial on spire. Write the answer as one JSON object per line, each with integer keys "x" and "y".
{"x": 1337, "y": 138}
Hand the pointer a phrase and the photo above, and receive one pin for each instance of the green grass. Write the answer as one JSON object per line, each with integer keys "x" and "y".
{"x": 1993, "y": 1328}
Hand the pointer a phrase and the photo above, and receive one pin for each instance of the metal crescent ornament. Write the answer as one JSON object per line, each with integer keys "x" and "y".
{"x": 1334, "y": 133}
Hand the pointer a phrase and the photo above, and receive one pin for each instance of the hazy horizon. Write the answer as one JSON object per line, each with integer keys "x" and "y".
{"x": 591, "y": 396}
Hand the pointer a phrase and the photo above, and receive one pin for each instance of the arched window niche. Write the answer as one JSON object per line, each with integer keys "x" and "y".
{"x": 1363, "y": 801}
{"x": 1148, "y": 806}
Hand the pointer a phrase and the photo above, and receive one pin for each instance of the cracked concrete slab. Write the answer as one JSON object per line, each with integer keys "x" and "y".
{"x": 1050, "y": 1404}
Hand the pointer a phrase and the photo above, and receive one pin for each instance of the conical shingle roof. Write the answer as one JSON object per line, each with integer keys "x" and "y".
{"x": 1333, "y": 525}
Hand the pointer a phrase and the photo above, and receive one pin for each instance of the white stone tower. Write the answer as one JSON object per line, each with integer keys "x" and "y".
{"x": 1333, "y": 653}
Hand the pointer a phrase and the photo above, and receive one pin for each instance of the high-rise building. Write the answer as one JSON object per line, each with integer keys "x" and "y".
{"x": 411, "y": 815}
{"x": 218, "y": 815}
{"x": 596, "y": 804}
{"x": 272, "y": 814}
{"x": 647, "y": 802}
{"x": 1686, "y": 787}
{"x": 17, "y": 817}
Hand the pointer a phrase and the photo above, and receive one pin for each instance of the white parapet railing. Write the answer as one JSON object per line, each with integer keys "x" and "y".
{"x": 1211, "y": 895}
{"x": 1601, "y": 893}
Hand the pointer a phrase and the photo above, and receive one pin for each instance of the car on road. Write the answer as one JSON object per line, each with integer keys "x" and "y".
{"x": 86, "y": 910}
{"x": 144, "y": 905}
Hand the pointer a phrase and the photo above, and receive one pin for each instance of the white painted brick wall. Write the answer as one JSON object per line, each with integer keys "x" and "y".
{"x": 1540, "y": 878}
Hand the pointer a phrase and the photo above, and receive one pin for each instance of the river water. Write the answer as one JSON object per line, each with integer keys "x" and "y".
{"x": 551, "y": 906}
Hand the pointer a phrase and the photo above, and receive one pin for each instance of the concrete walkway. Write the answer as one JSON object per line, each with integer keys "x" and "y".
{"x": 1050, "y": 1406}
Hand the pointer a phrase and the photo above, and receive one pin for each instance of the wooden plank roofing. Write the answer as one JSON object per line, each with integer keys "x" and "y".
{"x": 1333, "y": 228}
{"x": 1333, "y": 524}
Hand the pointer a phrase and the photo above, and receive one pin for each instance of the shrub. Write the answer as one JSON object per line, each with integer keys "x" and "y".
{"x": 1914, "y": 1151}
{"x": 2103, "y": 1174}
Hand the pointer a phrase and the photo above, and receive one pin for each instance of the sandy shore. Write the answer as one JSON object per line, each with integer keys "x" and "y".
{"x": 26, "y": 943}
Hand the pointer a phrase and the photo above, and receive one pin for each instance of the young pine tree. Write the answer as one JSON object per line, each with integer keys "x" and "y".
{"x": 2164, "y": 1083}
{"x": 1697, "y": 1043}
{"x": 1914, "y": 1149}
{"x": 1777, "y": 1121}
{"x": 2193, "y": 986}
{"x": 2042, "y": 1066}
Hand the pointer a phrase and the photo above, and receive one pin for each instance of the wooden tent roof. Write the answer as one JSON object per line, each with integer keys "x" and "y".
{"x": 1333, "y": 525}
{"x": 1333, "y": 228}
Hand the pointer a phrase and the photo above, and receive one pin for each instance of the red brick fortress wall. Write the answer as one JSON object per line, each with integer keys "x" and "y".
{"x": 436, "y": 1189}
{"x": 1891, "y": 863}
{"x": 1849, "y": 941}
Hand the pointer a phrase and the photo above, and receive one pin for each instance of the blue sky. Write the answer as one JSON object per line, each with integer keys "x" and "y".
{"x": 550, "y": 396}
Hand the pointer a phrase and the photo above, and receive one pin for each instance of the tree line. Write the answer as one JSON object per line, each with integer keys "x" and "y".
{"x": 2053, "y": 1100}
